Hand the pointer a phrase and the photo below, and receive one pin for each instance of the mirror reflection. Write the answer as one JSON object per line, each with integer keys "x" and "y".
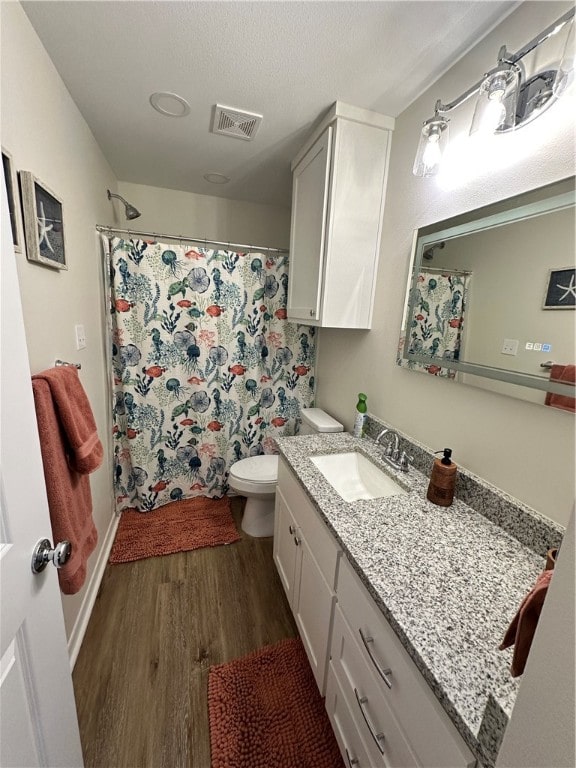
{"x": 492, "y": 295}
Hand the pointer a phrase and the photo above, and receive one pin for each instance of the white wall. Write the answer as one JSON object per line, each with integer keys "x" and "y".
{"x": 203, "y": 216}
{"x": 46, "y": 135}
{"x": 522, "y": 448}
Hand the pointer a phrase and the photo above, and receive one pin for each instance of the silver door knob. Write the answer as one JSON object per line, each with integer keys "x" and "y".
{"x": 43, "y": 554}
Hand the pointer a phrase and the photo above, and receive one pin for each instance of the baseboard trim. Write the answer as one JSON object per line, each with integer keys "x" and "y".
{"x": 81, "y": 623}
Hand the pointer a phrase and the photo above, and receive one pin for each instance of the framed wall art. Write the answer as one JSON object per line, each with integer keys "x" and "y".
{"x": 12, "y": 193}
{"x": 43, "y": 222}
{"x": 561, "y": 289}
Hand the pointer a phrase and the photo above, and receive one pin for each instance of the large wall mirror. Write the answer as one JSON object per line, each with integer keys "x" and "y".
{"x": 491, "y": 298}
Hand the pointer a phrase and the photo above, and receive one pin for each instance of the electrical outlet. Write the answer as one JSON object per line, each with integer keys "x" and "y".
{"x": 80, "y": 336}
{"x": 510, "y": 347}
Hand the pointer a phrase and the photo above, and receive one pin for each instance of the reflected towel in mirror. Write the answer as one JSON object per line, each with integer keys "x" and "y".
{"x": 566, "y": 373}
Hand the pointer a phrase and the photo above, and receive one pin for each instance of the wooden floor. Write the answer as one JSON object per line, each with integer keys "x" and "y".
{"x": 158, "y": 625}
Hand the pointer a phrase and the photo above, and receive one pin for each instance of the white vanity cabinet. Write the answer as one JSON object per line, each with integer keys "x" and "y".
{"x": 339, "y": 184}
{"x": 392, "y": 717}
{"x": 306, "y": 556}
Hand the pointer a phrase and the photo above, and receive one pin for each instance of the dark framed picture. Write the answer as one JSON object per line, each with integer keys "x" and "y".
{"x": 13, "y": 196}
{"x": 43, "y": 222}
{"x": 561, "y": 289}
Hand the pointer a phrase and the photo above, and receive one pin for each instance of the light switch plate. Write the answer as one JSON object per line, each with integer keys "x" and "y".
{"x": 80, "y": 337}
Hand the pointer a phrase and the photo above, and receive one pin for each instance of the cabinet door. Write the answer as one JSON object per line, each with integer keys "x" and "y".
{"x": 313, "y": 614}
{"x": 287, "y": 553}
{"x": 345, "y": 729}
{"x": 308, "y": 231}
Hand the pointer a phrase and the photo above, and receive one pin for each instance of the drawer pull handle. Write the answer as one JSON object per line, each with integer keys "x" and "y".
{"x": 379, "y": 738}
{"x": 297, "y": 541}
{"x": 291, "y": 529}
{"x": 384, "y": 673}
{"x": 351, "y": 760}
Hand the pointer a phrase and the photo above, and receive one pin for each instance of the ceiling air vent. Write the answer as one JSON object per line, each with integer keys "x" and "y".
{"x": 235, "y": 122}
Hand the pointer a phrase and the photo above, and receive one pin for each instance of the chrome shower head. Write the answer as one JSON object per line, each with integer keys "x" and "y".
{"x": 130, "y": 211}
{"x": 429, "y": 252}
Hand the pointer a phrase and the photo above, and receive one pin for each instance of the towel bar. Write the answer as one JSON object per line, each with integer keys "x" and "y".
{"x": 58, "y": 363}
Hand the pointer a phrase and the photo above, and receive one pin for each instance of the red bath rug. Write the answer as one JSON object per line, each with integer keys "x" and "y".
{"x": 175, "y": 527}
{"x": 266, "y": 712}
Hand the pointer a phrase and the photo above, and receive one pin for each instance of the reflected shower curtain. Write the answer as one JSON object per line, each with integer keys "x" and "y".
{"x": 206, "y": 368}
{"x": 436, "y": 328}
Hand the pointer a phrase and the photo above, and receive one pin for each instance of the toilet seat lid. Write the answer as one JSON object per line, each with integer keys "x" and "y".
{"x": 263, "y": 468}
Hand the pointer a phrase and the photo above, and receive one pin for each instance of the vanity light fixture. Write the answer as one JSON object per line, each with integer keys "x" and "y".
{"x": 506, "y": 99}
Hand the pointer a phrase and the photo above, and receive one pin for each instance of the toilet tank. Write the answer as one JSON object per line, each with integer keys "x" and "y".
{"x": 316, "y": 420}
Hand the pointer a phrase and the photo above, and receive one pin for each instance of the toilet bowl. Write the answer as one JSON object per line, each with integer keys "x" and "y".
{"x": 256, "y": 477}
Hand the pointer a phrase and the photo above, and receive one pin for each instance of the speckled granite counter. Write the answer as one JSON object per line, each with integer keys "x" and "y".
{"x": 449, "y": 580}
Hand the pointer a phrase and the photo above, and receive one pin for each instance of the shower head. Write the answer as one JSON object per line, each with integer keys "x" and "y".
{"x": 429, "y": 252}
{"x": 131, "y": 212}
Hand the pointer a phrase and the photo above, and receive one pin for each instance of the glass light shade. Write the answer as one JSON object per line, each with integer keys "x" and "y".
{"x": 496, "y": 104}
{"x": 565, "y": 74}
{"x": 433, "y": 142}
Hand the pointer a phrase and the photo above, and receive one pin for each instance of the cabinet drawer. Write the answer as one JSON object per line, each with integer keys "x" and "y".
{"x": 380, "y": 732}
{"x": 312, "y": 527}
{"x": 431, "y": 734}
{"x": 344, "y": 726}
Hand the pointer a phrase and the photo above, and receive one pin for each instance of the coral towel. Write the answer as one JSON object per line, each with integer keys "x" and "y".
{"x": 523, "y": 625}
{"x": 70, "y": 450}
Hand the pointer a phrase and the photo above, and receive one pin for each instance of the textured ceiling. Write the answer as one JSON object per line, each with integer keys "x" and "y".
{"x": 286, "y": 60}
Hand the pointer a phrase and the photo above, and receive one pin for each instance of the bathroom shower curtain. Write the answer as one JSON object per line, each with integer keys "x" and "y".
{"x": 206, "y": 368}
{"x": 436, "y": 327}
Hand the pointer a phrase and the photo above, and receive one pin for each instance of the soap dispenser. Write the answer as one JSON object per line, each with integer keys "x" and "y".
{"x": 442, "y": 480}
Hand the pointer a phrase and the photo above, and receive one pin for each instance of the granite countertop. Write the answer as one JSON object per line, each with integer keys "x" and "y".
{"x": 447, "y": 579}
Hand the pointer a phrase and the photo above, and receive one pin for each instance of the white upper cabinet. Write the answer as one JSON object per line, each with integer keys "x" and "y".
{"x": 339, "y": 184}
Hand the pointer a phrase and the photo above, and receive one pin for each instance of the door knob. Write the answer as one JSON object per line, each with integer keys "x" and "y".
{"x": 43, "y": 554}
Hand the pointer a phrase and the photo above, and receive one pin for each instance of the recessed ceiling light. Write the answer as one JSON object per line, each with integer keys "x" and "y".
{"x": 216, "y": 178}
{"x": 170, "y": 104}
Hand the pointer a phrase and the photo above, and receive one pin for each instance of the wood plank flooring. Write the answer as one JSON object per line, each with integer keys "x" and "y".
{"x": 141, "y": 677}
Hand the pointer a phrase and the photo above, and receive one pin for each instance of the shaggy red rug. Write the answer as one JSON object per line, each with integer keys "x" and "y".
{"x": 266, "y": 712}
{"x": 175, "y": 527}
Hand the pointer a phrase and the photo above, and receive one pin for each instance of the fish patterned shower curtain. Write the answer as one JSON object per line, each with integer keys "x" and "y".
{"x": 206, "y": 368}
{"x": 436, "y": 327}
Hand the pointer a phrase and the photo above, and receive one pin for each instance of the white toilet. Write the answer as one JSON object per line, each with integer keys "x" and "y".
{"x": 256, "y": 477}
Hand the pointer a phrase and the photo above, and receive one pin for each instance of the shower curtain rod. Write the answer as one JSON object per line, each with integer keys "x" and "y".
{"x": 443, "y": 271}
{"x": 156, "y": 235}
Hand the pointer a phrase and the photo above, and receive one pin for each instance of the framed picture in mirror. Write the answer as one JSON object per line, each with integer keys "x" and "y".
{"x": 43, "y": 222}
{"x": 561, "y": 289}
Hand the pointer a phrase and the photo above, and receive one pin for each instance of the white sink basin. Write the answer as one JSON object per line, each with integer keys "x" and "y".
{"x": 355, "y": 477}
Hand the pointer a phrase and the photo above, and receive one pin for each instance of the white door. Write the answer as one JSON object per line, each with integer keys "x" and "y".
{"x": 38, "y": 722}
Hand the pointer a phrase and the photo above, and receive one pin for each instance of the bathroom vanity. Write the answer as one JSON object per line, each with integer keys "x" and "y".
{"x": 401, "y": 605}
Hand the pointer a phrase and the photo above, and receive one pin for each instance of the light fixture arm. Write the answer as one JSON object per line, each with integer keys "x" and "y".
{"x": 543, "y": 36}
{"x": 504, "y": 57}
